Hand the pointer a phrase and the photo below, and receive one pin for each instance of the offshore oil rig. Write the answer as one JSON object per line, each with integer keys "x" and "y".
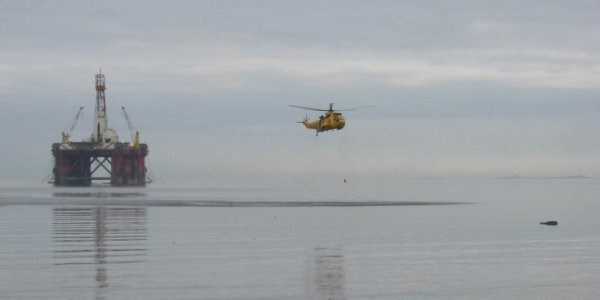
{"x": 81, "y": 163}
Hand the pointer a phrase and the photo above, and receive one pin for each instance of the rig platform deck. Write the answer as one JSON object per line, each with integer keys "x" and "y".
{"x": 77, "y": 164}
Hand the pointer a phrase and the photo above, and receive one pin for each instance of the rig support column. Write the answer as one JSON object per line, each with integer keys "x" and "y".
{"x": 128, "y": 167}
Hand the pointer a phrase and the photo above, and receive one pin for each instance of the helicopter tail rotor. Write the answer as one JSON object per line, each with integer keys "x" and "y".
{"x": 303, "y": 120}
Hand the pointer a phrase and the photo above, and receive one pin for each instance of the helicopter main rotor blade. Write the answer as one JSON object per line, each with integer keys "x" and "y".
{"x": 308, "y": 108}
{"x": 355, "y": 108}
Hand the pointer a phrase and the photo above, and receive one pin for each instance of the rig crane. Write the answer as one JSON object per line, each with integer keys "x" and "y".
{"x": 66, "y": 134}
{"x": 134, "y": 137}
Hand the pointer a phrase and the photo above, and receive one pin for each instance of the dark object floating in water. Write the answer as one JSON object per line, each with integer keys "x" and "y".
{"x": 551, "y": 223}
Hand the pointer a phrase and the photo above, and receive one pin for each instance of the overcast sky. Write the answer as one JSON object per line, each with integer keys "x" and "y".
{"x": 459, "y": 88}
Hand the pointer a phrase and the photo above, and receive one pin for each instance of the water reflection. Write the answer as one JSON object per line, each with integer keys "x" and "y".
{"x": 325, "y": 273}
{"x": 98, "y": 194}
{"x": 99, "y": 236}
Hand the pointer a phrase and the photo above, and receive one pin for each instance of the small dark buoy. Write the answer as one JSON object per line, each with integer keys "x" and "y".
{"x": 551, "y": 223}
{"x": 344, "y": 180}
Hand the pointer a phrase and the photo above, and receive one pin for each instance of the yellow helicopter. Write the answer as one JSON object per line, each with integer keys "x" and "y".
{"x": 332, "y": 119}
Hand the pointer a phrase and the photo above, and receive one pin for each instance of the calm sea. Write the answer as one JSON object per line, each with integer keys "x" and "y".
{"x": 413, "y": 239}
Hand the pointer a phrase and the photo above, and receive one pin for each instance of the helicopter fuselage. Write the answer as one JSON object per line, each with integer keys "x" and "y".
{"x": 328, "y": 121}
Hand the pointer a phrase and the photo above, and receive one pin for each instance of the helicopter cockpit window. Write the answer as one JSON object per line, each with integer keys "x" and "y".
{"x": 339, "y": 118}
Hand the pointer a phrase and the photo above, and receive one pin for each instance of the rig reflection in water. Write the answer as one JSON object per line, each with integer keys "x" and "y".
{"x": 325, "y": 274}
{"x": 99, "y": 236}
